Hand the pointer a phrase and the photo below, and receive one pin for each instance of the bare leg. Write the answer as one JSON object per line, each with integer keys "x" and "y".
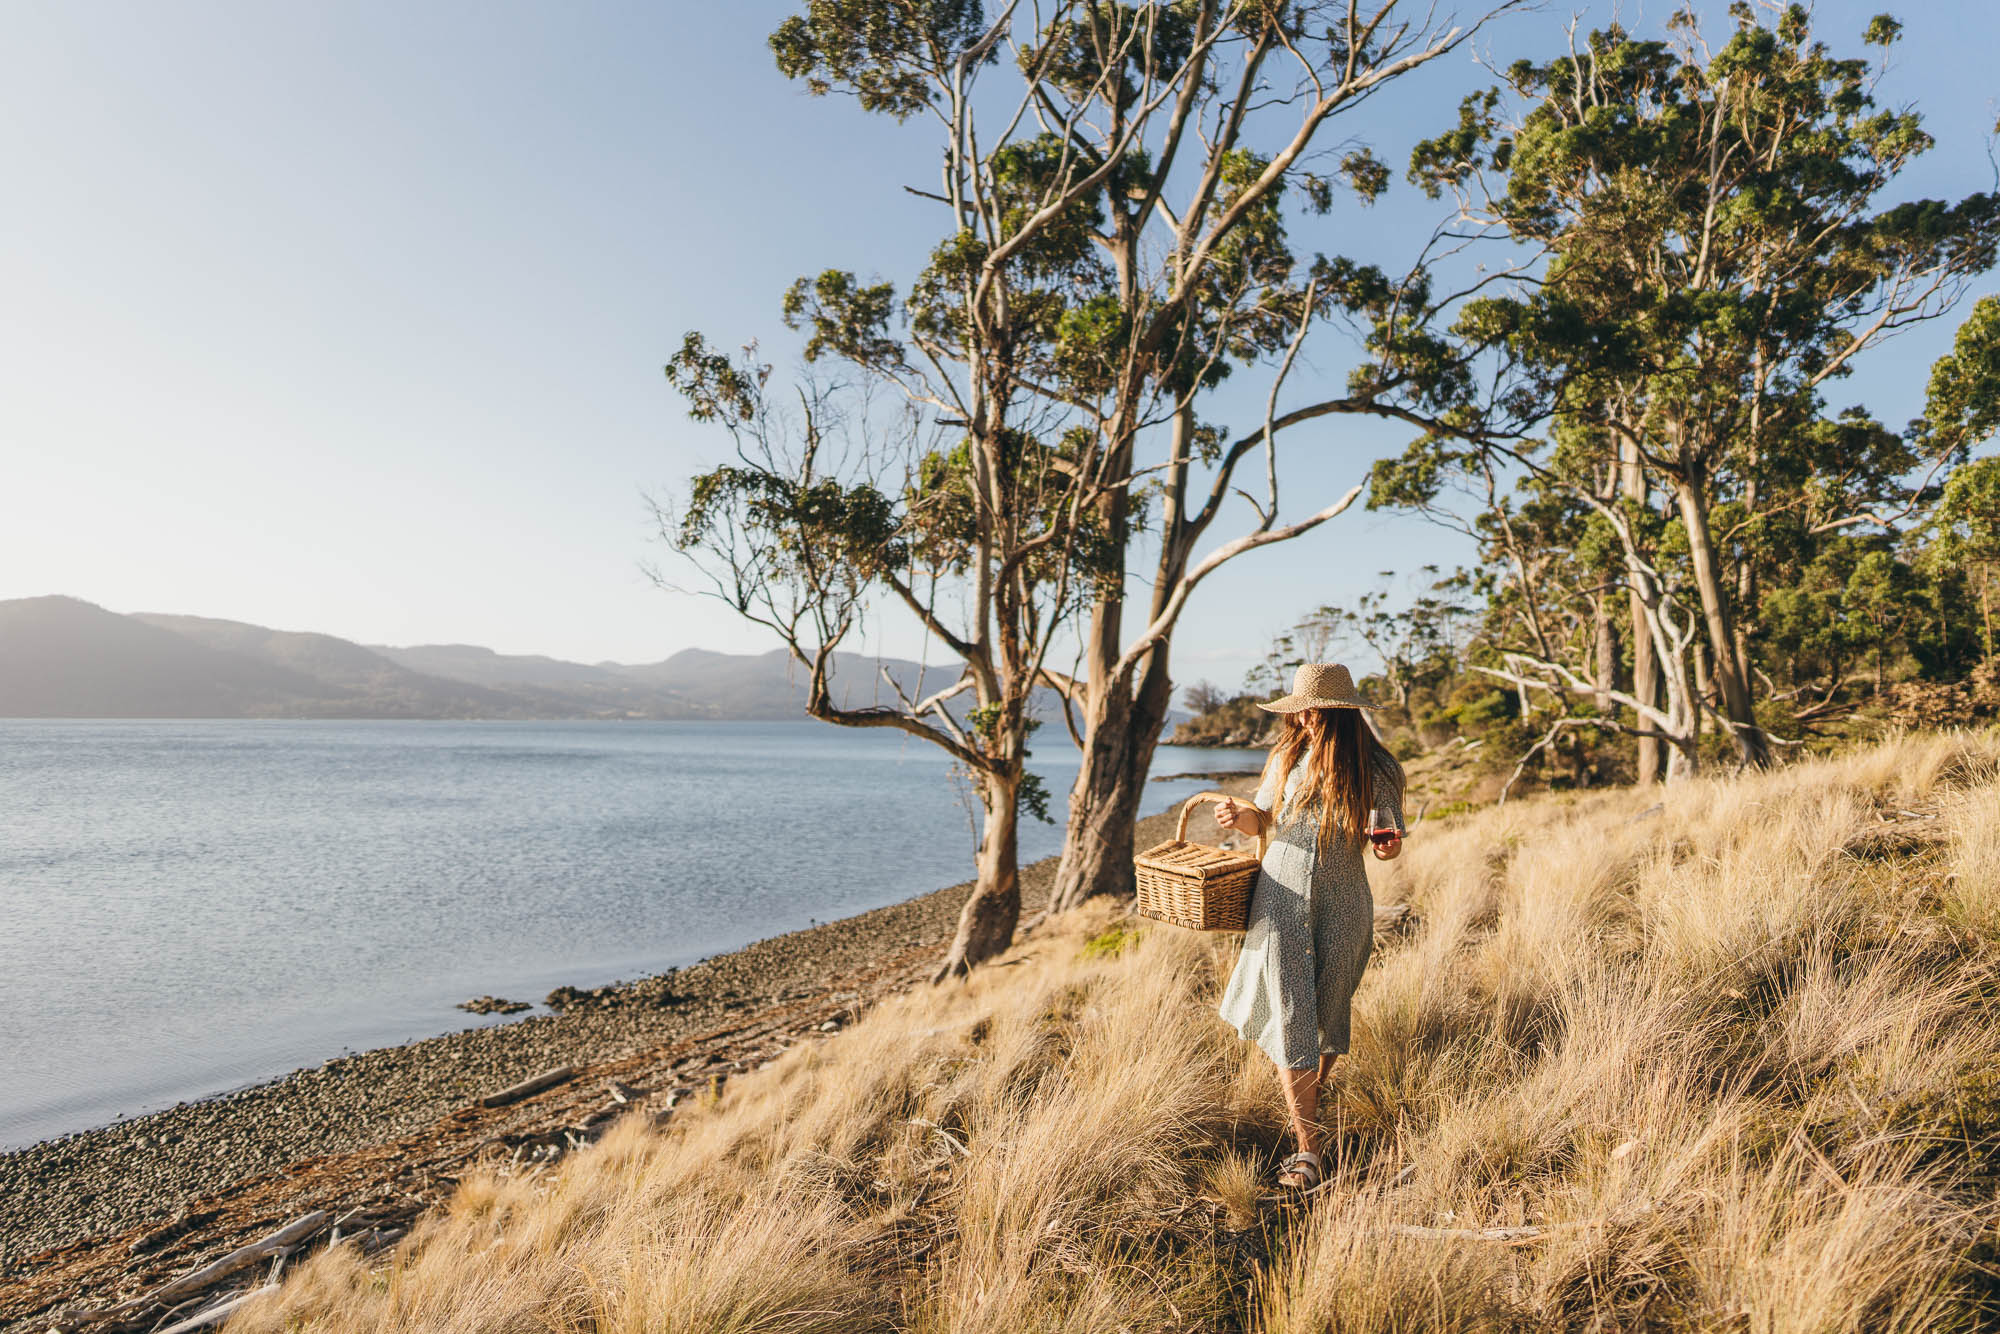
{"x": 1302, "y": 1101}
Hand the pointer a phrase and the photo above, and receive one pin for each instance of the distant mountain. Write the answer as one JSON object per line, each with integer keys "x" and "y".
{"x": 62, "y": 657}
{"x": 469, "y": 662}
{"x": 344, "y": 676}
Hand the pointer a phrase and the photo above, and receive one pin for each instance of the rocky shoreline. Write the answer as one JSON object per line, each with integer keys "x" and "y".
{"x": 96, "y": 1215}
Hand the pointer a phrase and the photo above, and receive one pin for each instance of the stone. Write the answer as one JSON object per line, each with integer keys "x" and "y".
{"x": 493, "y": 1005}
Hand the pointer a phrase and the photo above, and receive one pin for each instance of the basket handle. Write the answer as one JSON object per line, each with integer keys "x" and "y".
{"x": 1187, "y": 809}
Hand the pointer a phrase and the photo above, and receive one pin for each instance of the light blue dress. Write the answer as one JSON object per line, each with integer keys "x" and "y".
{"x": 1311, "y": 926}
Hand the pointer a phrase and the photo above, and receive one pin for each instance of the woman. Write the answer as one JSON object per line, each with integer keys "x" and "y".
{"x": 1312, "y": 919}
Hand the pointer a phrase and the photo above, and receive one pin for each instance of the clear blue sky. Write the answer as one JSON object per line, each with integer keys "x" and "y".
{"x": 349, "y": 316}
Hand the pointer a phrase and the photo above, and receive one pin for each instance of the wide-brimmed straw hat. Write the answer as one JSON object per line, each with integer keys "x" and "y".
{"x": 1319, "y": 685}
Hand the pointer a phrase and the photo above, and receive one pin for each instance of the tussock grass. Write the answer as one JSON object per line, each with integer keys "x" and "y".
{"x": 1735, "y": 1057}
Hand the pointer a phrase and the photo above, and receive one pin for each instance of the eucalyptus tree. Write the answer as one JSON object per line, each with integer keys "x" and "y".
{"x": 1961, "y": 413}
{"x": 1716, "y": 255}
{"x": 1112, "y": 244}
{"x": 1115, "y": 183}
{"x": 1966, "y": 536}
{"x": 1197, "y": 128}
{"x": 835, "y": 500}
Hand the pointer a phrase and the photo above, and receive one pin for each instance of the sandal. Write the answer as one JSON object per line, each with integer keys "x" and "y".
{"x": 1302, "y": 1172}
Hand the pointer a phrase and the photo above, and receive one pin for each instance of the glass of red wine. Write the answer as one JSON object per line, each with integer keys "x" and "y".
{"x": 1380, "y": 831}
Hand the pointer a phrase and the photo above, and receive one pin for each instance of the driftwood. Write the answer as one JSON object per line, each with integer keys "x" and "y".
{"x": 333, "y": 1236}
{"x": 1392, "y": 916}
{"x": 291, "y": 1233}
{"x": 218, "y": 1313}
{"x": 378, "y": 1239}
{"x": 188, "y": 1284}
{"x": 546, "y": 1080}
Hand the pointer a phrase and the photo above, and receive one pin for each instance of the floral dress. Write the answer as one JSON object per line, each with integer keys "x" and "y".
{"x": 1311, "y": 925}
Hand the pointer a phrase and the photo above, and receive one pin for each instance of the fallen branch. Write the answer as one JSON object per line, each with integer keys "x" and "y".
{"x": 291, "y": 1233}
{"x": 218, "y": 1313}
{"x": 547, "y": 1079}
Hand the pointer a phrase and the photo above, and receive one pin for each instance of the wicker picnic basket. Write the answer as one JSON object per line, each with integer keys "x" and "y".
{"x": 1196, "y": 885}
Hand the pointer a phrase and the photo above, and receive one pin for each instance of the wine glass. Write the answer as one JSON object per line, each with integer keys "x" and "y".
{"x": 1381, "y": 831}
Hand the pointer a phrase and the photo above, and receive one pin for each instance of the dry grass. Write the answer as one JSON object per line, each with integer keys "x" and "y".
{"x": 1736, "y": 1057}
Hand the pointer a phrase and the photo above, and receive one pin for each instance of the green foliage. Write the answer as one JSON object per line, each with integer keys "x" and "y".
{"x": 716, "y": 389}
{"x": 1883, "y": 30}
{"x": 1965, "y": 540}
{"x": 1475, "y": 144}
{"x": 885, "y": 55}
{"x": 983, "y": 721}
{"x": 1089, "y": 338}
{"x": 1034, "y": 797}
{"x": 938, "y": 297}
{"x": 1075, "y": 54}
{"x": 1962, "y": 404}
{"x": 1028, "y": 173}
{"x": 805, "y": 528}
{"x": 845, "y": 318}
{"x": 1366, "y": 174}
{"x": 1417, "y": 638}
{"x": 1475, "y": 708}
{"x": 1967, "y": 523}
{"x": 1115, "y": 244}
{"x": 1613, "y": 168}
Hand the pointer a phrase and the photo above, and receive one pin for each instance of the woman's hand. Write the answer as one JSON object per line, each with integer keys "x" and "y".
{"x": 1389, "y": 848}
{"x": 1239, "y": 816}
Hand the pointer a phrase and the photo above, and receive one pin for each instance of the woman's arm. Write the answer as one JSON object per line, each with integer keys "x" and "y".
{"x": 1388, "y": 796}
{"x": 1240, "y": 816}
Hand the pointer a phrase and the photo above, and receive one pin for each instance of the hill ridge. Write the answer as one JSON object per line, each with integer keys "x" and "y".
{"x": 65, "y": 657}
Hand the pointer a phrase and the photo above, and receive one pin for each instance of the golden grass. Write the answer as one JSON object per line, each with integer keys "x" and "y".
{"x": 1736, "y": 1058}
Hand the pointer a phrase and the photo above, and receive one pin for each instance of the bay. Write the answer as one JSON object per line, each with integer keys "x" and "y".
{"x": 190, "y": 907}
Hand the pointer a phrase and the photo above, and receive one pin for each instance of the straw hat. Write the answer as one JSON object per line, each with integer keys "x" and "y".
{"x": 1319, "y": 685}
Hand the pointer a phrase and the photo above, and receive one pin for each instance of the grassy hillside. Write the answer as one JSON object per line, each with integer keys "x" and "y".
{"x": 1718, "y": 1058}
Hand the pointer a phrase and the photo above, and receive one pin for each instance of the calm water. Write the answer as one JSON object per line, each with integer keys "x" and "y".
{"x": 194, "y": 906}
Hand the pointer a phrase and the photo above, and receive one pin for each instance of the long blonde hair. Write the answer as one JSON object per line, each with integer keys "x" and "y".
{"x": 1340, "y": 779}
